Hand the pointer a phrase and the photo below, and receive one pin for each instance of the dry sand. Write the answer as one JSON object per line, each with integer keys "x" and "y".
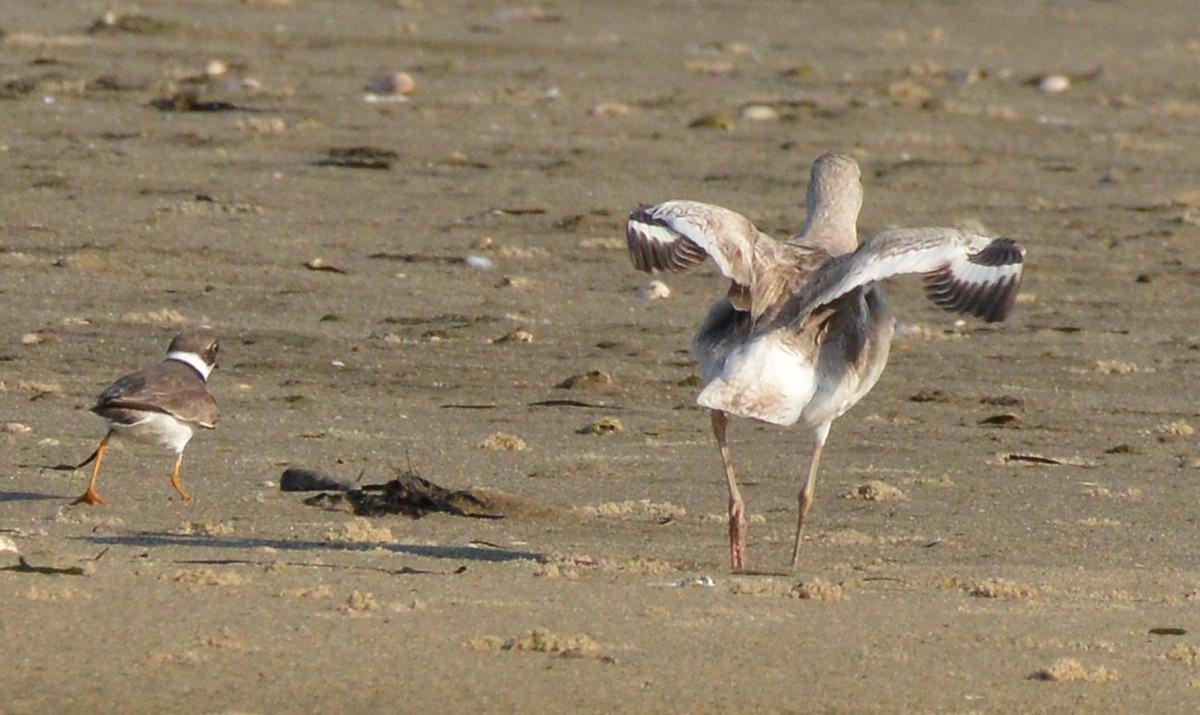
{"x": 993, "y": 582}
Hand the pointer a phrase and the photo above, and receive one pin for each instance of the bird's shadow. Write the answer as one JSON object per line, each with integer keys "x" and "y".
{"x": 486, "y": 554}
{"x": 29, "y": 496}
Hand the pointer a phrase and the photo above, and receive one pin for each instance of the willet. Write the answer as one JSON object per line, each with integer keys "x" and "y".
{"x": 804, "y": 331}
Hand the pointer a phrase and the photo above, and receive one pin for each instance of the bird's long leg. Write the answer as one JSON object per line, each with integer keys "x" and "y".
{"x": 810, "y": 485}
{"x": 175, "y": 478}
{"x": 737, "y": 508}
{"x": 90, "y": 496}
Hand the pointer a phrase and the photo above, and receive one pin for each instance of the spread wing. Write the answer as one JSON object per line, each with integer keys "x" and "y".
{"x": 677, "y": 236}
{"x": 963, "y": 271}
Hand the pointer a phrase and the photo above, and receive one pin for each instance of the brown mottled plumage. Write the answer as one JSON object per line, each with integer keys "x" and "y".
{"x": 804, "y": 331}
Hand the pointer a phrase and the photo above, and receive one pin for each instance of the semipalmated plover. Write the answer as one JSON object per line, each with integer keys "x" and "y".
{"x": 163, "y": 404}
{"x": 805, "y": 330}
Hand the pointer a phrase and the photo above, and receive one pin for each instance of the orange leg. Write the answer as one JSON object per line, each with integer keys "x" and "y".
{"x": 90, "y": 496}
{"x": 175, "y": 478}
{"x": 737, "y": 508}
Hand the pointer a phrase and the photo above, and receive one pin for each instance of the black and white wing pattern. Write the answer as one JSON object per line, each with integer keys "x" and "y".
{"x": 963, "y": 271}
{"x": 676, "y": 236}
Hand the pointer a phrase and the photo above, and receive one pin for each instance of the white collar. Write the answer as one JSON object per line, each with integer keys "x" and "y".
{"x": 192, "y": 360}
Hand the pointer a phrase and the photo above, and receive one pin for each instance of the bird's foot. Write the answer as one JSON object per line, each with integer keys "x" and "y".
{"x": 90, "y": 497}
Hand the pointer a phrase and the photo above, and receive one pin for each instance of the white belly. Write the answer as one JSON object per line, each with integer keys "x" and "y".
{"x": 156, "y": 428}
{"x": 762, "y": 380}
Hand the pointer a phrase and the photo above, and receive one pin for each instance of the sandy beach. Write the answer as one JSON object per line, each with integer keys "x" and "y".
{"x": 405, "y": 282}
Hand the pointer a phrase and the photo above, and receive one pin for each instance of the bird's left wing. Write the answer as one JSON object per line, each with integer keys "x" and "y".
{"x": 676, "y": 236}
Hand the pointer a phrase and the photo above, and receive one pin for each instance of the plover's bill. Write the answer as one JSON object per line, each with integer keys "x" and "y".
{"x": 163, "y": 404}
{"x": 804, "y": 331}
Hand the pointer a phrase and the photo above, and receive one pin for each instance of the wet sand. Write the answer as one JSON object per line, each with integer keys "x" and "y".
{"x": 1036, "y": 551}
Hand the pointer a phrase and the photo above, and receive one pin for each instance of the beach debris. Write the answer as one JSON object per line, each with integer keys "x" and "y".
{"x": 1168, "y": 631}
{"x": 1059, "y": 82}
{"x": 520, "y": 335}
{"x": 215, "y": 68}
{"x": 591, "y": 380}
{"x": 654, "y": 290}
{"x": 7, "y": 544}
{"x": 876, "y": 490}
{"x": 760, "y": 113}
{"x": 818, "y": 590}
{"x": 519, "y": 282}
{"x": 938, "y": 396}
{"x": 190, "y": 100}
{"x": 603, "y": 427}
{"x": 502, "y": 442}
{"x": 714, "y": 120}
{"x": 392, "y": 84}
{"x": 112, "y": 22}
{"x": 298, "y": 479}
{"x": 703, "y": 580}
{"x": 1054, "y": 83}
{"x": 358, "y": 157}
{"x": 408, "y": 494}
{"x": 482, "y": 263}
{"x": 1017, "y": 458}
{"x": 318, "y": 264}
{"x": 611, "y": 109}
{"x": 1006, "y": 419}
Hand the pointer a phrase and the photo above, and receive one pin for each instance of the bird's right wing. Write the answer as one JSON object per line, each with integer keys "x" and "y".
{"x": 963, "y": 271}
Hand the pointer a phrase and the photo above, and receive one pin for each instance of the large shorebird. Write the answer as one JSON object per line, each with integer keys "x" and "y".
{"x": 804, "y": 331}
{"x": 163, "y": 404}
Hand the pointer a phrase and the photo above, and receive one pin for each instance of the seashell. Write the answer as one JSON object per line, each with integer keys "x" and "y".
{"x": 517, "y": 336}
{"x": 759, "y": 113}
{"x": 611, "y": 109}
{"x": 394, "y": 83}
{"x": 481, "y": 262}
{"x": 1055, "y": 83}
{"x": 215, "y": 68}
{"x": 654, "y": 290}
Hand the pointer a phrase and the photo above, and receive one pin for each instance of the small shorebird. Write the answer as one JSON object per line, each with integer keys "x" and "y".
{"x": 804, "y": 331}
{"x": 163, "y": 404}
